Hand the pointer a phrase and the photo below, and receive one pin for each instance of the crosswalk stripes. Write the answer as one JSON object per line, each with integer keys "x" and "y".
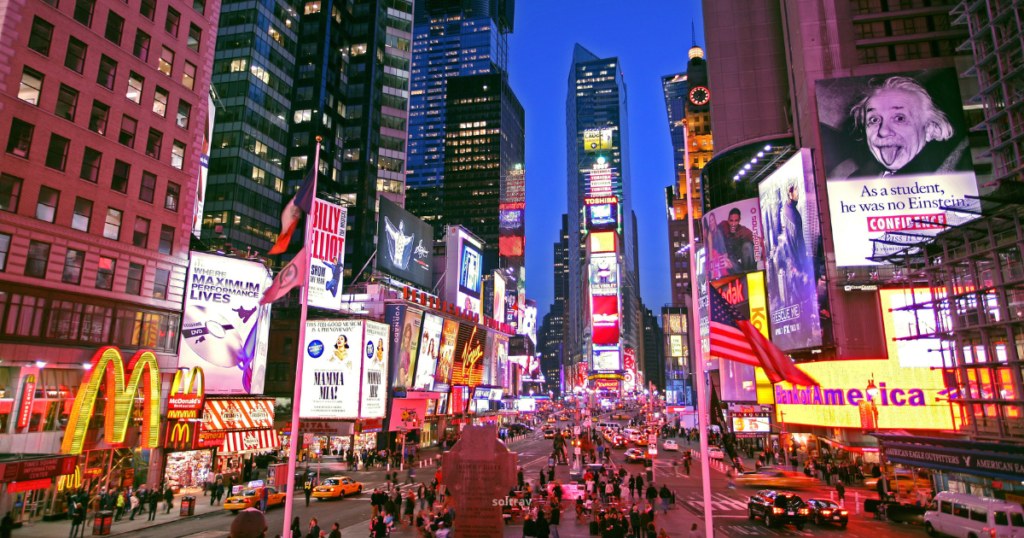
{"x": 719, "y": 502}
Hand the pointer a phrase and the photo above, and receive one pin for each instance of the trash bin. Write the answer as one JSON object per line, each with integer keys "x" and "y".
{"x": 188, "y": 506}
{"x": 101, "y": 525}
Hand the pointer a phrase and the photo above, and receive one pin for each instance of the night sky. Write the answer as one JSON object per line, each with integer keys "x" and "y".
{"x": 651, "y": 39}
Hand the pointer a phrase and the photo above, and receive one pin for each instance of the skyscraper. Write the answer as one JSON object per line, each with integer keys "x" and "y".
{"x": 552, "y": 335}
{"x": 452, "y": 38}
{"x": 598, "y": 173}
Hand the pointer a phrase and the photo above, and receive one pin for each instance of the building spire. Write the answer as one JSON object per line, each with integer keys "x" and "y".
{"x": 693, "y": 30}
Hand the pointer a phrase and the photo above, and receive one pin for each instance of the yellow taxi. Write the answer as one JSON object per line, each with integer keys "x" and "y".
{"x": 551, "y": 420}
{"x": 337, "y": 487}
{"x": 774, "y": 478}
{"x": 250, "y": 498}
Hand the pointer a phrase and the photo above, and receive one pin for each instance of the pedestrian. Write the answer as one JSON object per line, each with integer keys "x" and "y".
{"x": 6, "y": 526}
{"x": 307, "y": 489}
{"x": 154, "y": 500}
{"x": 411, "y": 479}
{"x": 119, "y": 504}
{"x": 335, "y": 531}
{"x": 665, "y": 495}
{"x": 264, "y": 499}
{"x": 632, "y": 487}
{"x": 296, "y": 528}
{"x": 841, "y": 492}
{"x": 540, "y": 527}
{"x": 169, "y": 498}
{"x": 314, "y": 528}
{"x": 556, "y": 517}
{"x": 73, "y": 509}
{"x": 135, "y": 502}
{"x": 652, "y": 493}
{"x": 694, "y": 533}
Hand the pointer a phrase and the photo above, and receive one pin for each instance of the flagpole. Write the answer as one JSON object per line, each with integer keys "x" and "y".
{"x": 293, "y": 446}
{"x": 698, "y": 376}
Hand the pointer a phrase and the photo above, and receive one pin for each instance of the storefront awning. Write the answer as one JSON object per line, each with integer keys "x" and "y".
{"x": 999, "y": 461}
{"x": 250, "y": 441}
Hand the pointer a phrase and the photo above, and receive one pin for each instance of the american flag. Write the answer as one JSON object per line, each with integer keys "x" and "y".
{"x": 738, "y": 340}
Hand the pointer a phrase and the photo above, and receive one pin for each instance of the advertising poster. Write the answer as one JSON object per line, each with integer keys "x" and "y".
{"x": 204, "y": 170}
{"x": 602, "y": 213}
{"x": 792, "y": 241}
{"x": 499, "y": 296}
{"x": 404, "y": 245}
{"x": 501, "y": 366}
{"x": 601, "y": 178}
{"x": 629, "y": 360}
{"x": 604, "y": 275}
{"x": 899, "y": 324}
{"x": 375, "y": 371}
{"x": 446, "y": 355}
{"x": 407, "y": 414}
{"x": 409, "y": 341}
{"x": 429, "y": 351}
{"x": 605, "y": 319}
{"x": 331, "y": 369}
{"x": 606, "y": 358}
{"x": 468, "y": 366}
{"x": 597, "y": 139}
{"x": 224, "y": 329}
{"x": 703, "y": 314}
{"x": 602, "y": 242}
{"x": 896, "y": 157}
{"x": 732, "y": 236}
{"x": 512, "y": 231}
{"x": 327, "y": 250}
{"x": 470, "y": 266}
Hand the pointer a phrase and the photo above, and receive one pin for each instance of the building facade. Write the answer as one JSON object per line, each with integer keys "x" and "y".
{"x": 552, "y": 336}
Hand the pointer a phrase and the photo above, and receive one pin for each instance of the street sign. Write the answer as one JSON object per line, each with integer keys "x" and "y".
{"x": 578, "y": 451}
{"x": 575, "y": 430}
{"x": 652, "y": 440}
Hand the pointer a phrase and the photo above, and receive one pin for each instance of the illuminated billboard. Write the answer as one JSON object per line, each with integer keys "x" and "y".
{"x": 468, "y": 364}
{"x": 464, "y": 270}
{"x": 602, "y": 242}
{"x": 498, "y": 308}
{"x": 605, "y": 319}
{"x": 675, "y": 323}
{"x": 733, "y": 237}
{"x": 629, "y": 384}
{"x": 332, "y": 369}
{"x": 896, "y": 156}
{"x": 600, "y": 178}
{"x": 898, "y": 324}
{"x": 602, "y": 213}
{"x": 327, "y": 254}
{"x": 741, "y": 425}
{"x": 429, "y": 351}
{"x": 404, "y": 245}
{"x": 512, "y": 230}
{"x": 406, "y": 324}
{"x": 606, "y": 358}
{"x": 789, "y": 212}
{"x": 204, "y": 170}
{"x": 224, "y": 329}
{"x": 909, "y": 398}
{"x": 746, "y": 294}
{"x": 675, "y": 342}
{"x": 604, "y": 275}
{"x": 375, "y": 371}
{"x": 597, "y": 139}
{"x": 446, "y": 356}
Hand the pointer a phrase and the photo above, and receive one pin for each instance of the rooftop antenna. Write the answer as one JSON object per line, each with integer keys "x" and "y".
{"x": 693, "y": 30}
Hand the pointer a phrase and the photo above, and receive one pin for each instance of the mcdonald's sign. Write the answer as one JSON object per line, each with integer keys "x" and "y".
{"x": 108, "y": 369}
{"x": 180, "y": 436}
{"x": 187, "y": 393}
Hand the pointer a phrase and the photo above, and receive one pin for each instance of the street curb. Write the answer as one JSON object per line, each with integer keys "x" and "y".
{"x": 189, "y": 518}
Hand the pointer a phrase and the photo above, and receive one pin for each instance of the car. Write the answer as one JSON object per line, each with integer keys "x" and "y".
{"x": 563, "y": 418}
{"x": 775, "y": 478}
{"x": 551, "y": 420}
{"x": 618, "y": 442}
{"x": 621, "y": 416}
{"x": 905, "y": 482}
{"x": 715, "y": 453}
{"x": 634, "y": 455}
{"x": 670, "y": 445}
{"x": 963, "y": 515}
{"x": 640, "y": 440}
{"x": 566, "y": 432}
{"x": 824, "y": 512}
{"x": 337, "y": 487}
{"x": 250, "y": 498}
{"x": 549, "y": 433}
{"x": 778, "y": 508}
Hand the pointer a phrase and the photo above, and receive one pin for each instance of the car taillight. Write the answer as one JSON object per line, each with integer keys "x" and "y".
{"x": 843, "y": 512}
{"x": 992, "y": 532}
{"x": 804, "y": 511}
{"x": 826, "y": 512}
{"x": 777, "y": 510}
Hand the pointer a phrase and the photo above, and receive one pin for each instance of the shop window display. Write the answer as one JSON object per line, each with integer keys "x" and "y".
{"x": 187, "y": 471}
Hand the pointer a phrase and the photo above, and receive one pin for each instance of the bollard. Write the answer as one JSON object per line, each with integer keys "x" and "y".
{"x": 856, "y": 502}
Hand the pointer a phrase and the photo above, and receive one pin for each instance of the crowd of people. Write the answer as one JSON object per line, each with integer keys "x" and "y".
{"x": 120, "y": 501}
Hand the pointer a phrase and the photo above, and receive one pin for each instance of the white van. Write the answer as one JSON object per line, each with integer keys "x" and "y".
{"x": 966, "y": 516}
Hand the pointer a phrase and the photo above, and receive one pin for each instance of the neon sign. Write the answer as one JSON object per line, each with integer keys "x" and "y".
{"x": 188, "y": 405}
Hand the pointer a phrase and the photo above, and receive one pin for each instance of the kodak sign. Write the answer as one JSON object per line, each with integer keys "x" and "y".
{"x": 187, "y": 394}
{"x": 121, "y": 384}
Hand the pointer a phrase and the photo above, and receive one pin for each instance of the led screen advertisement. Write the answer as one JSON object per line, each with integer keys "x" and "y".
{"x": 374, "y": 399}
{"x": 604, "y": 275}
{"x": 468, "y": 366}
{"x": 606, "y": 358}
{"x": 900, "y": 320}
{"x": 404, "y": 245}
{"x": 406, "y": 324}
{"x": 597, "y": 139}
{"x": 429, "y": 352}
{"x": 605, "y": 319}
{"x": 745, "y": 293}
{"x": 327, "y": 253}
{"x": 792, "y": 241}
{"x": 512, "y": 230}
{"x": 742, "y": 425}
{"x": 629, "y": 384}
{"x": 446, "y": 357}
{"x": 499, "y": 296}
{"x": 224, "y": 329}
{"x": 332, "y": 369}
{"x": 600, "y": 178}
{"x": 896, "y": 157}
{"x": 602, "y": 213}
{"x": 602, "y": 242}
{"x": 732, "y": 236}
{"x": 464, "y": 269}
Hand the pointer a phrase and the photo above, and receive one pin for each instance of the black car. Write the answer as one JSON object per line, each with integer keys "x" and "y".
{"x": 778, "y": 508}
{"x": 827, "y": 513}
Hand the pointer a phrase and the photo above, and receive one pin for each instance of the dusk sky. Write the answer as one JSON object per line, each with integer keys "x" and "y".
{"x": 651, "y": 39}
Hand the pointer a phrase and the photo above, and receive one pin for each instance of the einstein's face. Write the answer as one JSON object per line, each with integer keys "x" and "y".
{"x": 896, "y": 126}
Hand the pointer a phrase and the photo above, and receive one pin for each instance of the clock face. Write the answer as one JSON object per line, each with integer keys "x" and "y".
{"x": 700, "y": 95}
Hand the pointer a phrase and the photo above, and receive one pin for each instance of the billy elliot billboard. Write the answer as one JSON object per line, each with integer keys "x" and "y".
{"x": 404, "y": 245}
{"x": 327, "y": 249}
{"x": 792, "y": 231}
{"x": 732, "y": 234}
{"x": 897, "y": 160}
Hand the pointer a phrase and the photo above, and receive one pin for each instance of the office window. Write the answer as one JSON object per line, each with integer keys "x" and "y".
{"x": 160, "y": 99}
{"x": 5, "y": 248}
{"x": 83, "y": 215}
{"x": 120, "y": 180}
{"x": 20, "y": 140}
{"x": 160, "y": 282}
{"x": 75, "y": 58}
{"x": 199, "y": 5}
{"x": 46, "y": 205}
{"x": 57, "y": 152}
{"x": 105, "y": 273}
{"x": 31, "y": 86}
{"x": 128, "y": 126}
{"x": 166, "y": 240}
{"x": 115, "y": 28}
{"x": 84, "y": 10}
{"x": 148, "y": 187}
{"x": 135, "y": 273}
{"x": 172, "y": 22}
{"x": 188, "y": 76}
{"x": 178, "y": 154}
{"x": 148, "y": 9}
{"x": 194, "y": 35}
{"x": 10, "y": 193}
{"x": 107, "y": 72}
{"x": 40, "y": 36}
{"x": 38, "y": 257}
{"x": 172, "y": 195}
{"x": 91, "y": 165}
{"x": 112, "y": 224}
{"x": 67, "y": 103}
{"x": 135, "y": 83}
{"x": 153, "y": 143}
{"x": 166, "y": 61}
{"x": 184, "y": 113}
{"x": 141, "y": 47}
{"x": 140, "y": 236}
{"x": 98, "y": 117}
{"x": 73, "y": 261}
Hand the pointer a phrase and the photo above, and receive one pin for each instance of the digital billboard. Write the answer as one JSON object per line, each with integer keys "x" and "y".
{"x": 605, "y": 319}
{"x": 468, "y": 366}
{"x": 602, "y": 213}
{"x": 676, "y": 323}
{"x": 375, "y": 371}
{"x": 332, "y": 369}
{"x": 741, "y": 425}
{"x": 602, "y": 242}
{"x": 498, "y": 309}
{"x": 747, "y": 295}
{"x": 629, "y": 363}
{"x": 606, "y": 358}
{"x": 405, "y": 245}
{"x": 597, "y": 139}
{"x": 733, "y": 238}
{"x": 789, "y": 212}
{"x": 909, "y": 398}
{"x": 446, "y": 356}
{"x": 224, "y": 329}
{"x": 512, "y": 230}
{"x": 898, "y": 324}
{"x": 675, "y": 345}
{"x": 405, "y": 341}
{"x": 467, "y": 271}
{"x": 429, "y": 351}
{"x": 703, "y": 314}
{"x": 600, "y": 178}
{"x": 896, "y": 155}
{"x": 604, "y": 275}
{"x": 326, "y": 246}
